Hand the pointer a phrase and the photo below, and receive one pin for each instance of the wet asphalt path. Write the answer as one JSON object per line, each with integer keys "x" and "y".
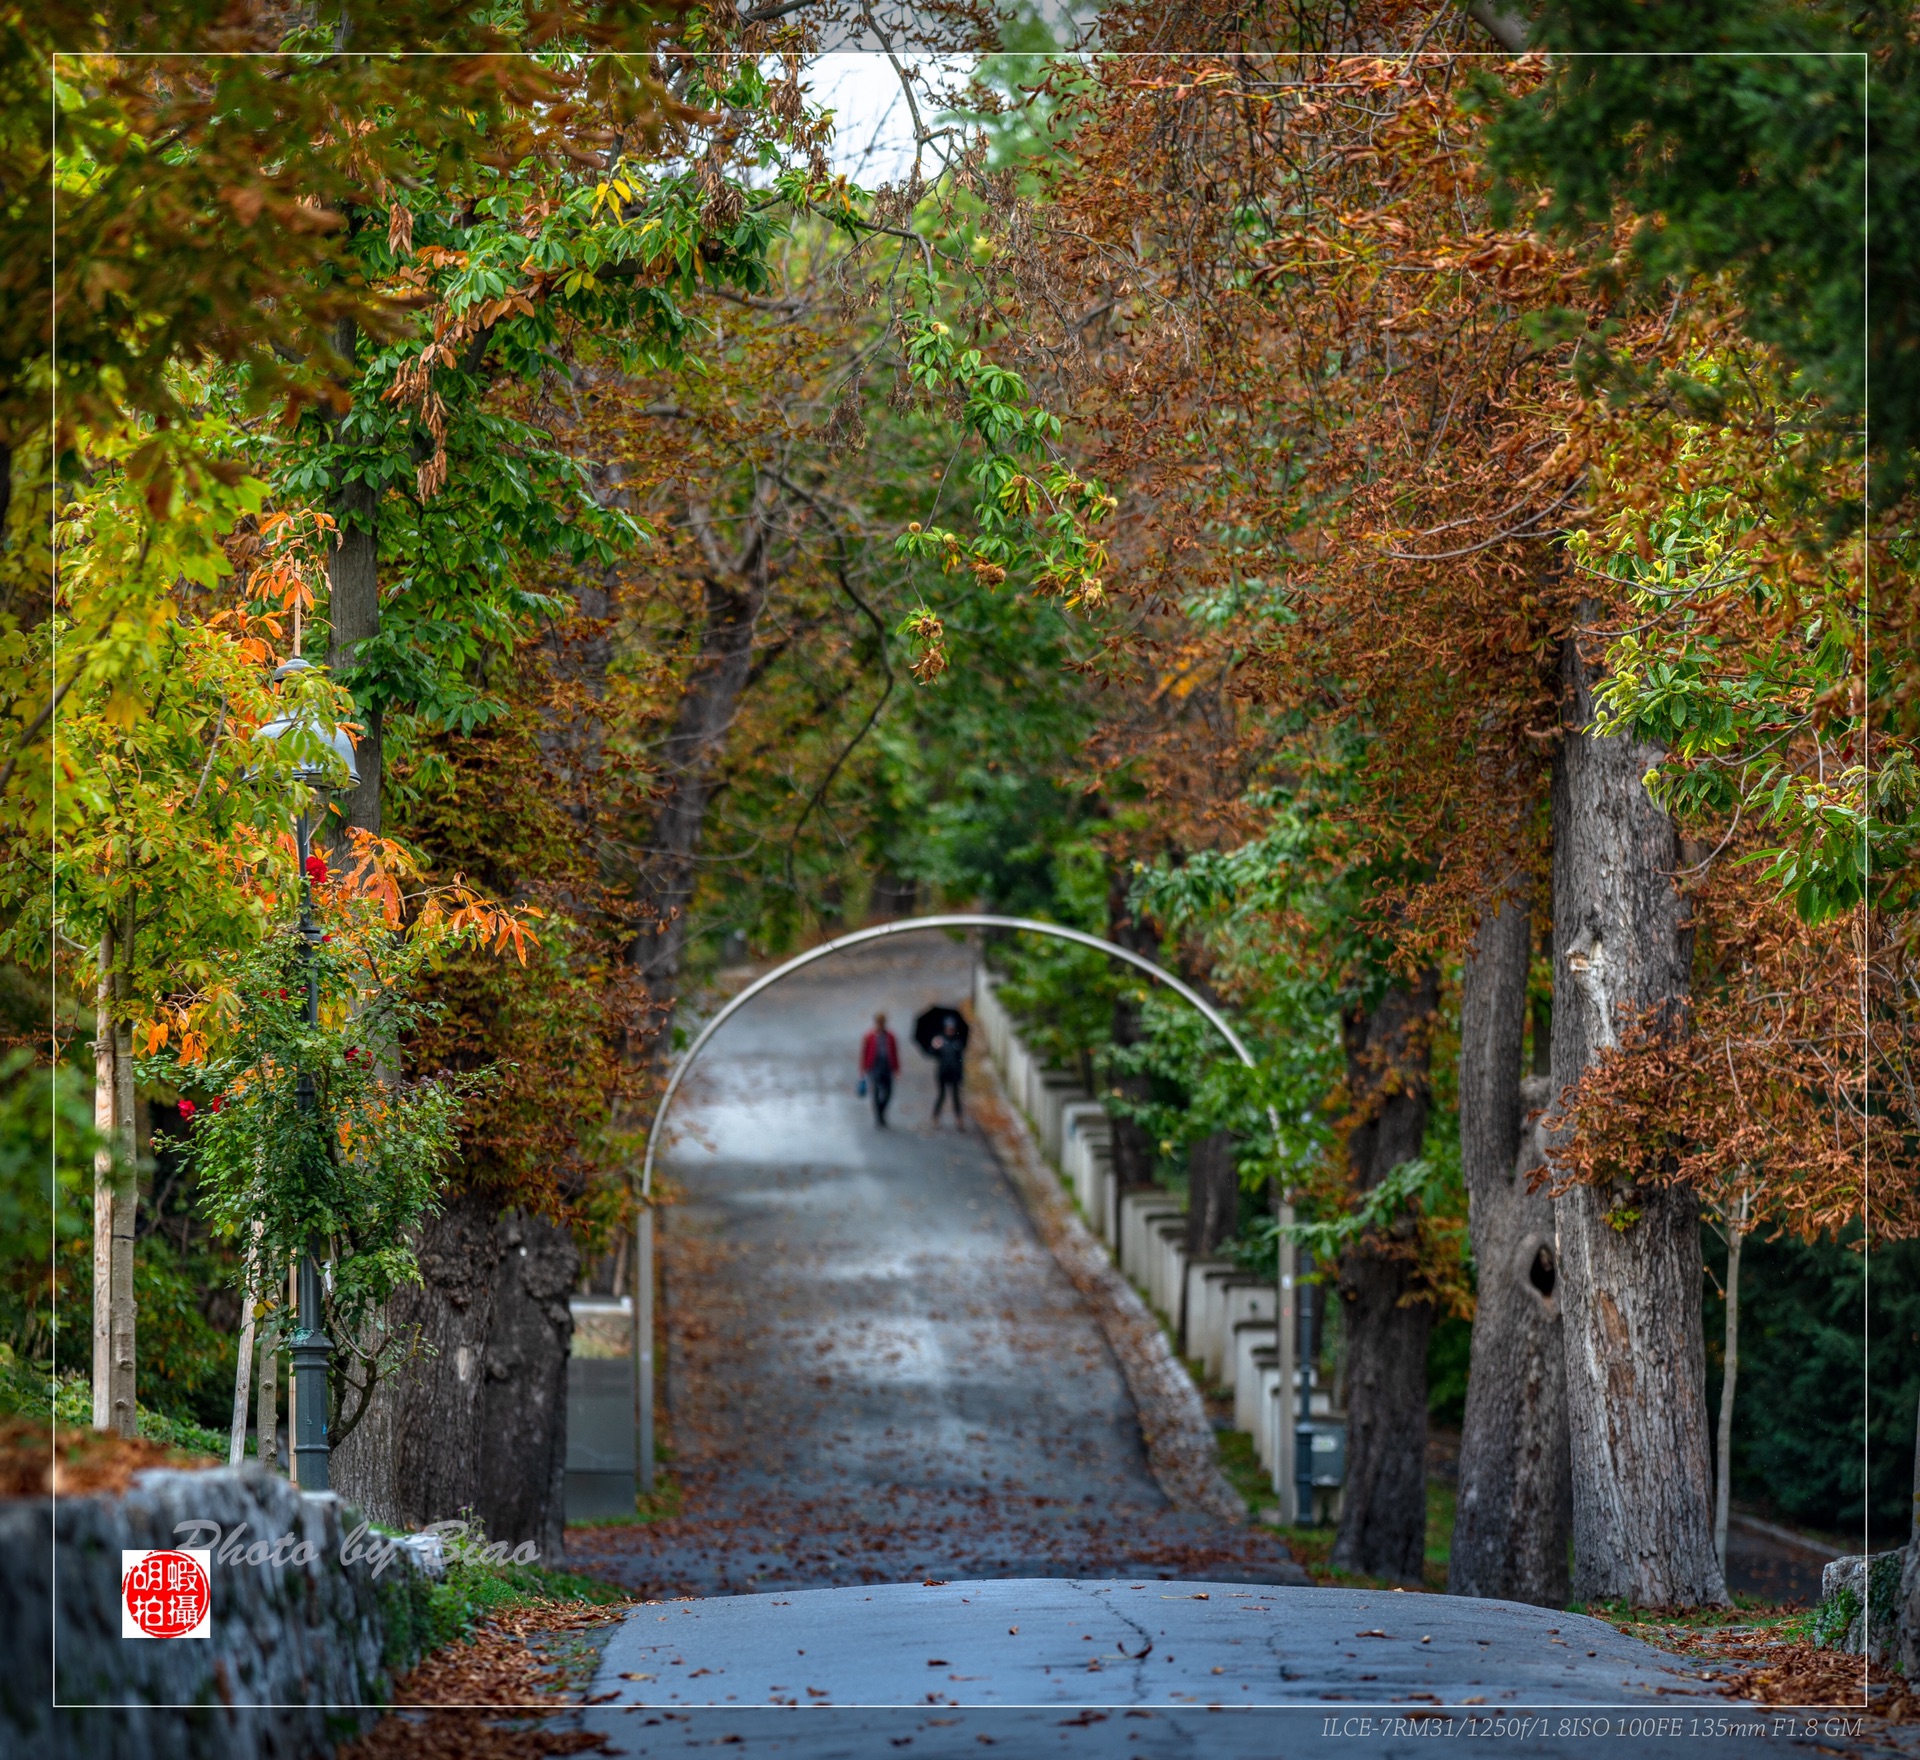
{"x": 875, "y": 1371}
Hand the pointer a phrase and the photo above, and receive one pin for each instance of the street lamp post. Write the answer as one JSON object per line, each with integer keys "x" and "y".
{"x": 310, "y": 1348}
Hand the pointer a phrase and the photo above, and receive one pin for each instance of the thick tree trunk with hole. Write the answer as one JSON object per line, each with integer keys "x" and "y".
{"x": 1630, "y": 1266}
{"x": 478, "y": 1420}
{"x": 1383, "y": 1521}
{"x": 1213, "y": 1195}
{"x": 1515, "y": 1511}
{"x": 734, "y": 594}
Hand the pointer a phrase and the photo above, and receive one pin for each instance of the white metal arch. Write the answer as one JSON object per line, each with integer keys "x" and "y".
{"x": 909, "y": 926}
{"x": 643, "y": 1222}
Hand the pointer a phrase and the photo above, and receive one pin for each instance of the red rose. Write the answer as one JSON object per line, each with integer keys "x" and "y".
{"x": 215, "y": 1103}
{"x": 186, "y": 1109}
{"x": 283, "y": 996}
{"x": 352, "y": 1053}
{"x": 317, "y": 870}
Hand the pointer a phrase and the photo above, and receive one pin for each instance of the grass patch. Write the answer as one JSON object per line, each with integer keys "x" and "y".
{"x": 508, "y": 1636}
{"x": 473, "y": 1594}
{"x": 1678, "y": 1627}
{"x": 1767, "y": 1653}
{"x": 30, "y": 1391}
{"x": 661, "y": 1505}
{"x": 1240, "y": 1467}
{"x": 1313, "y": 1546}
{"x": 424, "y": 1617}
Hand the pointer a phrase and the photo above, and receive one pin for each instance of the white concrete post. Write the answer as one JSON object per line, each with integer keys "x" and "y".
{"x": 1280, "y": 1415}
{"x": 643, "y": 1350}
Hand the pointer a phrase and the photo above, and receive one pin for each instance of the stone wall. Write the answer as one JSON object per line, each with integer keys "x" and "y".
{"x": 297, "y": 1649}
{"x": 1870, "y": 1606}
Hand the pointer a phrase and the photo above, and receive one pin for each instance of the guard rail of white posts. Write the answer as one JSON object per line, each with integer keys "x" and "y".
{"x": 1220, "y": 1317}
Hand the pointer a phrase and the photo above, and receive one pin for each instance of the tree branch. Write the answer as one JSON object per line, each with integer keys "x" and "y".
{"x": 1508, "y": 29}
{"x": 873, "y": 714}
{"x": 206, "y": 770}
{"x": 39, "y": 721}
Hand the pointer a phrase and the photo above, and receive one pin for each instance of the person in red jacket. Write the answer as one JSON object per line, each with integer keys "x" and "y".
{"x": 879, "y": 1063}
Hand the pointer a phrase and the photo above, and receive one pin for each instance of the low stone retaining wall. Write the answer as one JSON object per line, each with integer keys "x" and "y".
{"x": 298, "y": 1648}
{"x": 1870, "y": 1606}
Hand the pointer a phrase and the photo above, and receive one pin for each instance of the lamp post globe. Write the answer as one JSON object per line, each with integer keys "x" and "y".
{"x": 343, "y": 774}
{"x": 310, "y": 1349}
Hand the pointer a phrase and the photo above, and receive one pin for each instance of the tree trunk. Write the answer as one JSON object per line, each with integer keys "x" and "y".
{"x": 434, "y": 1454}
{"x": 243, "y": 1356}
{"x": 1213, "y": 1195}
{"x": 266, "y": 1427}
{"x": 103, "y": 1064}
{"x": 476, "y": 1421}
{"x": 1630, "y": 1266}
{"x": 353, "y": 611}
{"x": 735, "y": 593}
{"x": 1723, "y": 1441}
{"x": 123, "y": 1412}
{"x": 523, "y": 1407}
{"x": 1515, "y": 1515}
{"x": 1383, "y": 1521}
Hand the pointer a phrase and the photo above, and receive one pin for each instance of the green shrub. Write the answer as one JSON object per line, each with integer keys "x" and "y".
{"x": 1448, "y": 1348}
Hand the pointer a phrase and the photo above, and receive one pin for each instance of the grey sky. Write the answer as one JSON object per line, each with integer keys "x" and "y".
{"x": 873, "y": 138}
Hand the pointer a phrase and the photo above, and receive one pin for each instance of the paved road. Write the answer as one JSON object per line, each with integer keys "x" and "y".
{"x": 876, "y": 1373}
{"x": 1149, "y": 1668}
{"x": 1066, "y": 1643}
{"x": 1166, "y": 1671}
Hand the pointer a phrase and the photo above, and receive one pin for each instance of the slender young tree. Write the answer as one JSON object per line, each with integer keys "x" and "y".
{"x": 1734, "y": 1226}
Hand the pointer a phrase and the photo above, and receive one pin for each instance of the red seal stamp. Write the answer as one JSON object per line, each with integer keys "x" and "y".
{"x": 166, "y": 1594}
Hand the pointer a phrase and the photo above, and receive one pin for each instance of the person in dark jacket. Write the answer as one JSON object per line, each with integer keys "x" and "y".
{"x": 950, "y": 1062}
{"x": 879, "y": 1064}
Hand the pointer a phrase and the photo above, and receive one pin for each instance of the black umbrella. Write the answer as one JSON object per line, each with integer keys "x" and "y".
{"x": 937, "y": 1021}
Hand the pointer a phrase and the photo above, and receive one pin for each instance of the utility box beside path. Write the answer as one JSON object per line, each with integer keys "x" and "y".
{"x": 600, "y": 1408}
